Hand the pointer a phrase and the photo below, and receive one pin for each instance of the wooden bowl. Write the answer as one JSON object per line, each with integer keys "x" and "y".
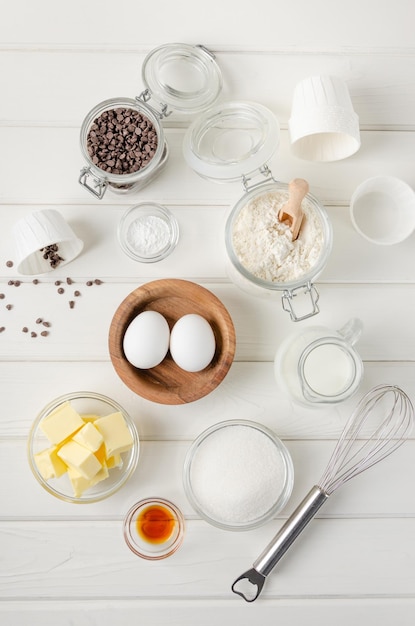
{"x": 167, "y": 383}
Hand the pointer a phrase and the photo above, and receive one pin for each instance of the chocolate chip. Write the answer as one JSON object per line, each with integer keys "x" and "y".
{"x": 57, "y": 283}
{"x": 9, "y": 307}
{"x": 9, "y": 263}
{"x": 2, "y": 296}
{"x": 25, "y": 329}
{"x": 113, "y": 137}
{"x": 47, "y": 324}
{"x": 44, "y": 333}
{"x": 39, "y": 320}
{"x": 97, "y": 281}
{"x": 33, "y": 334}
{"x": 35, "y": 281}
{"x": 89, "y": 283}
{"x": 11, "y": 282}
{"x": 71, "y": 304}
{"x": 2, "y": 328}
{"x": 76, "y": 293}
{"x": 17, "y": 283}
{"x": 69, "y": 281}
{"x": 61, "y": 290}
{"x": 51, "y": 253}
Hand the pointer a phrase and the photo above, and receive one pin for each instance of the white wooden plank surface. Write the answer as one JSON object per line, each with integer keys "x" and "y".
{"x": 69, "y": 82}
{"x": 103, "y": 612}
{"x": 231, "y": 23}
{"x": 160, "y": 472}
{"x": 260, "y": 325}
{"x": 90, "y": 559}
{"x": 202, "y": 239}
{"x": 65, "y": 565}
{"x": 249, "y": 391}
{"x": 54, "y": 178}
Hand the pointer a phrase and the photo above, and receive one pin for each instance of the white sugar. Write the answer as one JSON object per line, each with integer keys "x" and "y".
{"x": 237, "y": 474}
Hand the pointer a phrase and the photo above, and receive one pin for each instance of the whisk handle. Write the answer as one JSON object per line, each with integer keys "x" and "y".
{"x": 294, "y": 525}
{"x": 249, "y": 585}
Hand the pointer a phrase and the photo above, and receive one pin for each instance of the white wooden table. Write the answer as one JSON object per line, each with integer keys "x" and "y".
{"x": 67, "y": 564}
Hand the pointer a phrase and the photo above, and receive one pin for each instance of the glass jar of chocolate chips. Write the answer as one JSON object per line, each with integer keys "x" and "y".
{"x": 122, "y": 139}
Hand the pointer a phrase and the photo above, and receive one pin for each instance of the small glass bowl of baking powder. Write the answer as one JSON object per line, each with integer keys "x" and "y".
{"x": 148, "y": 232}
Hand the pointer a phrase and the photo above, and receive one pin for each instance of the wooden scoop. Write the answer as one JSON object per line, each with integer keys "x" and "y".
{"x": 291, "y": 212}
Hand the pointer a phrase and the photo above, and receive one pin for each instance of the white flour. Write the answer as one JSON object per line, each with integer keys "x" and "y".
{"x": 264, "y": 245}
{"x": 148, "y": 235}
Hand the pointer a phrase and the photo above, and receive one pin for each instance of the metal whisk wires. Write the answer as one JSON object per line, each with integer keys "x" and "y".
{"x": 380, "y": 423}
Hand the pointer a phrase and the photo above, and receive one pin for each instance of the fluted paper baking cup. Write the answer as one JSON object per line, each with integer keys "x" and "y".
{"x": 323, "y": 125}
{"x": 37, "y": 231}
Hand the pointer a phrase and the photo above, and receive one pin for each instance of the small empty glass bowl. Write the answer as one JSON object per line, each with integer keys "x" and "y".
{"x": 148, "y": 232}
{"x": 237, "y": 475}
{"x": 86, "y": 404}
{"x": 154, "y": 528}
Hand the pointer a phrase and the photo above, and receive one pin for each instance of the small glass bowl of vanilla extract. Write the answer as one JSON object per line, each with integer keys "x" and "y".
{"x": 154, "y": 528}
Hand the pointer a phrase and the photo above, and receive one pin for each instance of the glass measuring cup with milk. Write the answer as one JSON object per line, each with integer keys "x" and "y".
{"x": 319, "y": 365}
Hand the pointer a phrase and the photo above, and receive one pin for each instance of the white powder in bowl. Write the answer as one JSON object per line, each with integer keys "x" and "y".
{"x": 148, "y": 235}
{"x": 264, "y": 245}
{"x": 237, "y": 474}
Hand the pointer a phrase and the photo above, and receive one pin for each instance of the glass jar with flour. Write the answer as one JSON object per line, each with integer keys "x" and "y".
{"x": 235, "y": 142}
{"x": 320, "y": 366}
{"x": 122, "y": 140}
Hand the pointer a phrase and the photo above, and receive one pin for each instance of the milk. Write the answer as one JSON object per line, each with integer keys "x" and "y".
{"x": 328, "y": 369}
{"x": 318, "y": 365}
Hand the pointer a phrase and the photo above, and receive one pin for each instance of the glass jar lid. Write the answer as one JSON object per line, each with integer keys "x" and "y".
{"x": 183, "y": 77}
{"x": 231, "y": 140}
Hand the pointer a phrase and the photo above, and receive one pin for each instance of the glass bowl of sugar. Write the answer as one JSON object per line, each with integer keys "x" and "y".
{"x": 237, "y": 475}
{"x": 148, "y": 232}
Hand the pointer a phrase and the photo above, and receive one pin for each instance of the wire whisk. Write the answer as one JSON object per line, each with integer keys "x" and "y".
{"x": 380, "y": 423}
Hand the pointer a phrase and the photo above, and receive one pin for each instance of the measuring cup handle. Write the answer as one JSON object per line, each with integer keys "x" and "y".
{"x": 352, "y": 330}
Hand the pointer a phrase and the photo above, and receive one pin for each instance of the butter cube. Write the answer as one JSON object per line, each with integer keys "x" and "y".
{"x": 49, "y": 464}
{"x": 114, "y": 461}
{"x": 61, "y": 423}
{"x": 89, "y": 417}
{"x": 80, "y": 459}
{"x": 80, "y": 483}
{"x": 117, "y": 437}
{"x": 101, "y": 454}
{"x": 89, "y": 437}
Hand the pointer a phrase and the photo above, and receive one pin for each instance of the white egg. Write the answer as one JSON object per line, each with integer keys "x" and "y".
{"x": 192, "y": 343}
{"x": 146, "y": 340}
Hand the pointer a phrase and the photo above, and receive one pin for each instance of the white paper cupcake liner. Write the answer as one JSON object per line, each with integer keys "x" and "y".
{"x": 323, "y": 125}
{"x": 39, "y": 230}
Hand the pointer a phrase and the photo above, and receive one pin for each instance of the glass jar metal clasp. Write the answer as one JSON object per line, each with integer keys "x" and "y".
{"x": 145, "y": 96}
{"x": 288, "y": 301}
{"x": 99, "y": 185}
{"x": 265, "y": 172}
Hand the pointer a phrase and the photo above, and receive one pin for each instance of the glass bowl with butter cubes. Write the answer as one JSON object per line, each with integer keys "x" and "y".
{"x": 83, "y": 447}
